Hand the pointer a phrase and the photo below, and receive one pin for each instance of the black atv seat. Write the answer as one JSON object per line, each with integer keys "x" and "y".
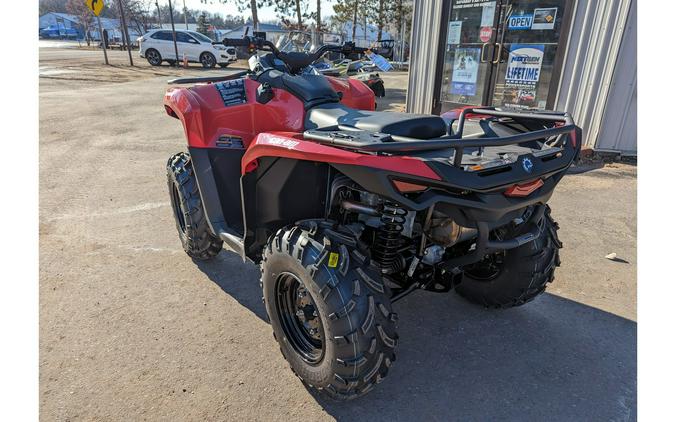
{"x": 420, "y": 126}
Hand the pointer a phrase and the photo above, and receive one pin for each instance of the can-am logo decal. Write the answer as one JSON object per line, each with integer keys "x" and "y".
{"x": 281, "y": 142}
{"x": 528, "y": 165}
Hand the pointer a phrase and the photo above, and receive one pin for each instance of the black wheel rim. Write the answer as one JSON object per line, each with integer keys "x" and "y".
{"x": 299, "y": 318}
{"x": 177, "y": 210}
{"x": 488, "y": 269}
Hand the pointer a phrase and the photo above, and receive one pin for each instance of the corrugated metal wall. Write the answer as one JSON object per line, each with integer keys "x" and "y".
{"x": 425, "y": 37}
{"x": 599, "y": 77}
{"x": 598, "y": 83}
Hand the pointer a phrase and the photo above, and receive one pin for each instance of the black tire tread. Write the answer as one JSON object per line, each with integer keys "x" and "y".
{"x": 361, "y": 317}
{"x": 198, "y": 241}
{"x": 215, "y": 60}
{"x": 535, "y": 270}
{"x": 160, "y": 57}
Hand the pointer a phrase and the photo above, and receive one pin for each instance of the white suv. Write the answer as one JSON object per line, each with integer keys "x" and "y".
{"x": 157, "y": 46}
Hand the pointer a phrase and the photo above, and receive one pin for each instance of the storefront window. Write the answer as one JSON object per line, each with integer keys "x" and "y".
{"x": 501, "y": 53}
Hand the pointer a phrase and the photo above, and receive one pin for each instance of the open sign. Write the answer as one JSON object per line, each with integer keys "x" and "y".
{"x": 520, "y": 21}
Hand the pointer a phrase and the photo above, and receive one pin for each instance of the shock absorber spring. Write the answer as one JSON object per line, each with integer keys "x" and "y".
{"x": 388, "y": 239}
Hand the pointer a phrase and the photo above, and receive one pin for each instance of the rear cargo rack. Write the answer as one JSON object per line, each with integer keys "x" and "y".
{"x": 353, "y": 138}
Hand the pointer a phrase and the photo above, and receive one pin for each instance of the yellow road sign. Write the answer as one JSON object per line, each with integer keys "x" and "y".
{"x": 95, "y": 5}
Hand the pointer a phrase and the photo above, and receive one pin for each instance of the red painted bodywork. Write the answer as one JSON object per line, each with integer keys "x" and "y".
{"x": 292, "y": 145}
{"x": 355, "y": 94}
{"x": 275, "y": 128}
{"x": 205, "y": 117}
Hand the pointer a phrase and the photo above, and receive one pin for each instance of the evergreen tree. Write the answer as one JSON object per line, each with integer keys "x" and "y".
{"x": 203, "y": 24}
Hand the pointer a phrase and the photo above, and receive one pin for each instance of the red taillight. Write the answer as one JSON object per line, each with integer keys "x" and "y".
{"x": 407, "y": 187}
{"x": 525, "y": 189}
{"x": 573, "y": 138}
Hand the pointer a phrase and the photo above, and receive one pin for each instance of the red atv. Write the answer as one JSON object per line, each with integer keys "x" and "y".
{"x": 347, "y": 210}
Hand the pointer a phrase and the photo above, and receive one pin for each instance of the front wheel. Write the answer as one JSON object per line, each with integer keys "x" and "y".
{"x": 195, "y": 234}
{"x": 329, "y": 309}
{"x": 516, "y": 276}
{"x": 208, "y": 60}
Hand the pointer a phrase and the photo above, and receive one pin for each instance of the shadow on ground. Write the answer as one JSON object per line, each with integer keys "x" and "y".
{"x": 552, "y": 359}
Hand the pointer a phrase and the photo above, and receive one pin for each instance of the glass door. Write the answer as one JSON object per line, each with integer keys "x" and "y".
{"x": 501, "y": 52}
{"x": 469, "y": 51}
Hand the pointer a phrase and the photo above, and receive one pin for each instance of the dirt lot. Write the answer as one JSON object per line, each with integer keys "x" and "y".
{"x": 132, "y": 329}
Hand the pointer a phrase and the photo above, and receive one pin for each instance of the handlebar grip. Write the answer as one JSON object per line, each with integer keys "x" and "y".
{"x": 237, "y": 42}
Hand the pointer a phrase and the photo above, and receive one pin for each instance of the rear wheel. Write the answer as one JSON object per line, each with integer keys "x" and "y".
{"x": 153, "y": 57}
{"x": 207, "y": 60}
{"x": 329, "y": 309}
{"x": 516, "y": 276}
{"x": 195, "y": 234}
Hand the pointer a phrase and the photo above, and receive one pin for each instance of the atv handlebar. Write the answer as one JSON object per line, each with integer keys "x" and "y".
{"x": 294, "y": 60}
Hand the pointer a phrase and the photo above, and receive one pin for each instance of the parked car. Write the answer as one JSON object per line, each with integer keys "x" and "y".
{"x": 156, "y": 46}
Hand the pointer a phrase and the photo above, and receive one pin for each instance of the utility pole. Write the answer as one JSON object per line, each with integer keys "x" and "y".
{"x": 365, "y": 28}
{"x": 125, "y": 31}
{"x": 318, "y": 15}
{"x": 159, "y": 15}
{"x": 100, "y": 33}
{"x": 356, "y": 9}
{"x": 185, "y": 16}
{"x": 173, "y": 31}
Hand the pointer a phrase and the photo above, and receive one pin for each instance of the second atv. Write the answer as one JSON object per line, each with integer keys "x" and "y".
{"x": 348, "y": 210}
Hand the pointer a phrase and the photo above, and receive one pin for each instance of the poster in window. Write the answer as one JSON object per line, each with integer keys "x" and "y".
{"x": 544, "y": 18}
{"x": 465, "y": 71}
{"x": 454, "y": 32}
{"x": 488, "y": 15}
{"x": 522, "y": 75}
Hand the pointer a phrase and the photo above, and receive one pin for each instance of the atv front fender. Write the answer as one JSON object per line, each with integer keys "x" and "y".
{"x": 182, "y": 104}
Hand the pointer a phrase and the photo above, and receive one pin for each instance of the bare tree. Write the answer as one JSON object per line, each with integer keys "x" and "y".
{"x": 47, "y": 6}
{"x": 84, "y": 16}
{"x": 244, "y": 5}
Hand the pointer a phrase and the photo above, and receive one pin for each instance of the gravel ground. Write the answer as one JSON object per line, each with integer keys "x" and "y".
{"x": 132, "y": 329}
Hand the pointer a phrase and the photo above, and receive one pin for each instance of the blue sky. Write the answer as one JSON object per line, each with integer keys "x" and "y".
{"x": 230, "y": 8}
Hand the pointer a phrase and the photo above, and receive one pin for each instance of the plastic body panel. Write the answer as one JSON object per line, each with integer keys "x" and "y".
{"x": 355, "y": 94}
{"x": 292, "y": 145}
{"x": 206, "y": 118}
